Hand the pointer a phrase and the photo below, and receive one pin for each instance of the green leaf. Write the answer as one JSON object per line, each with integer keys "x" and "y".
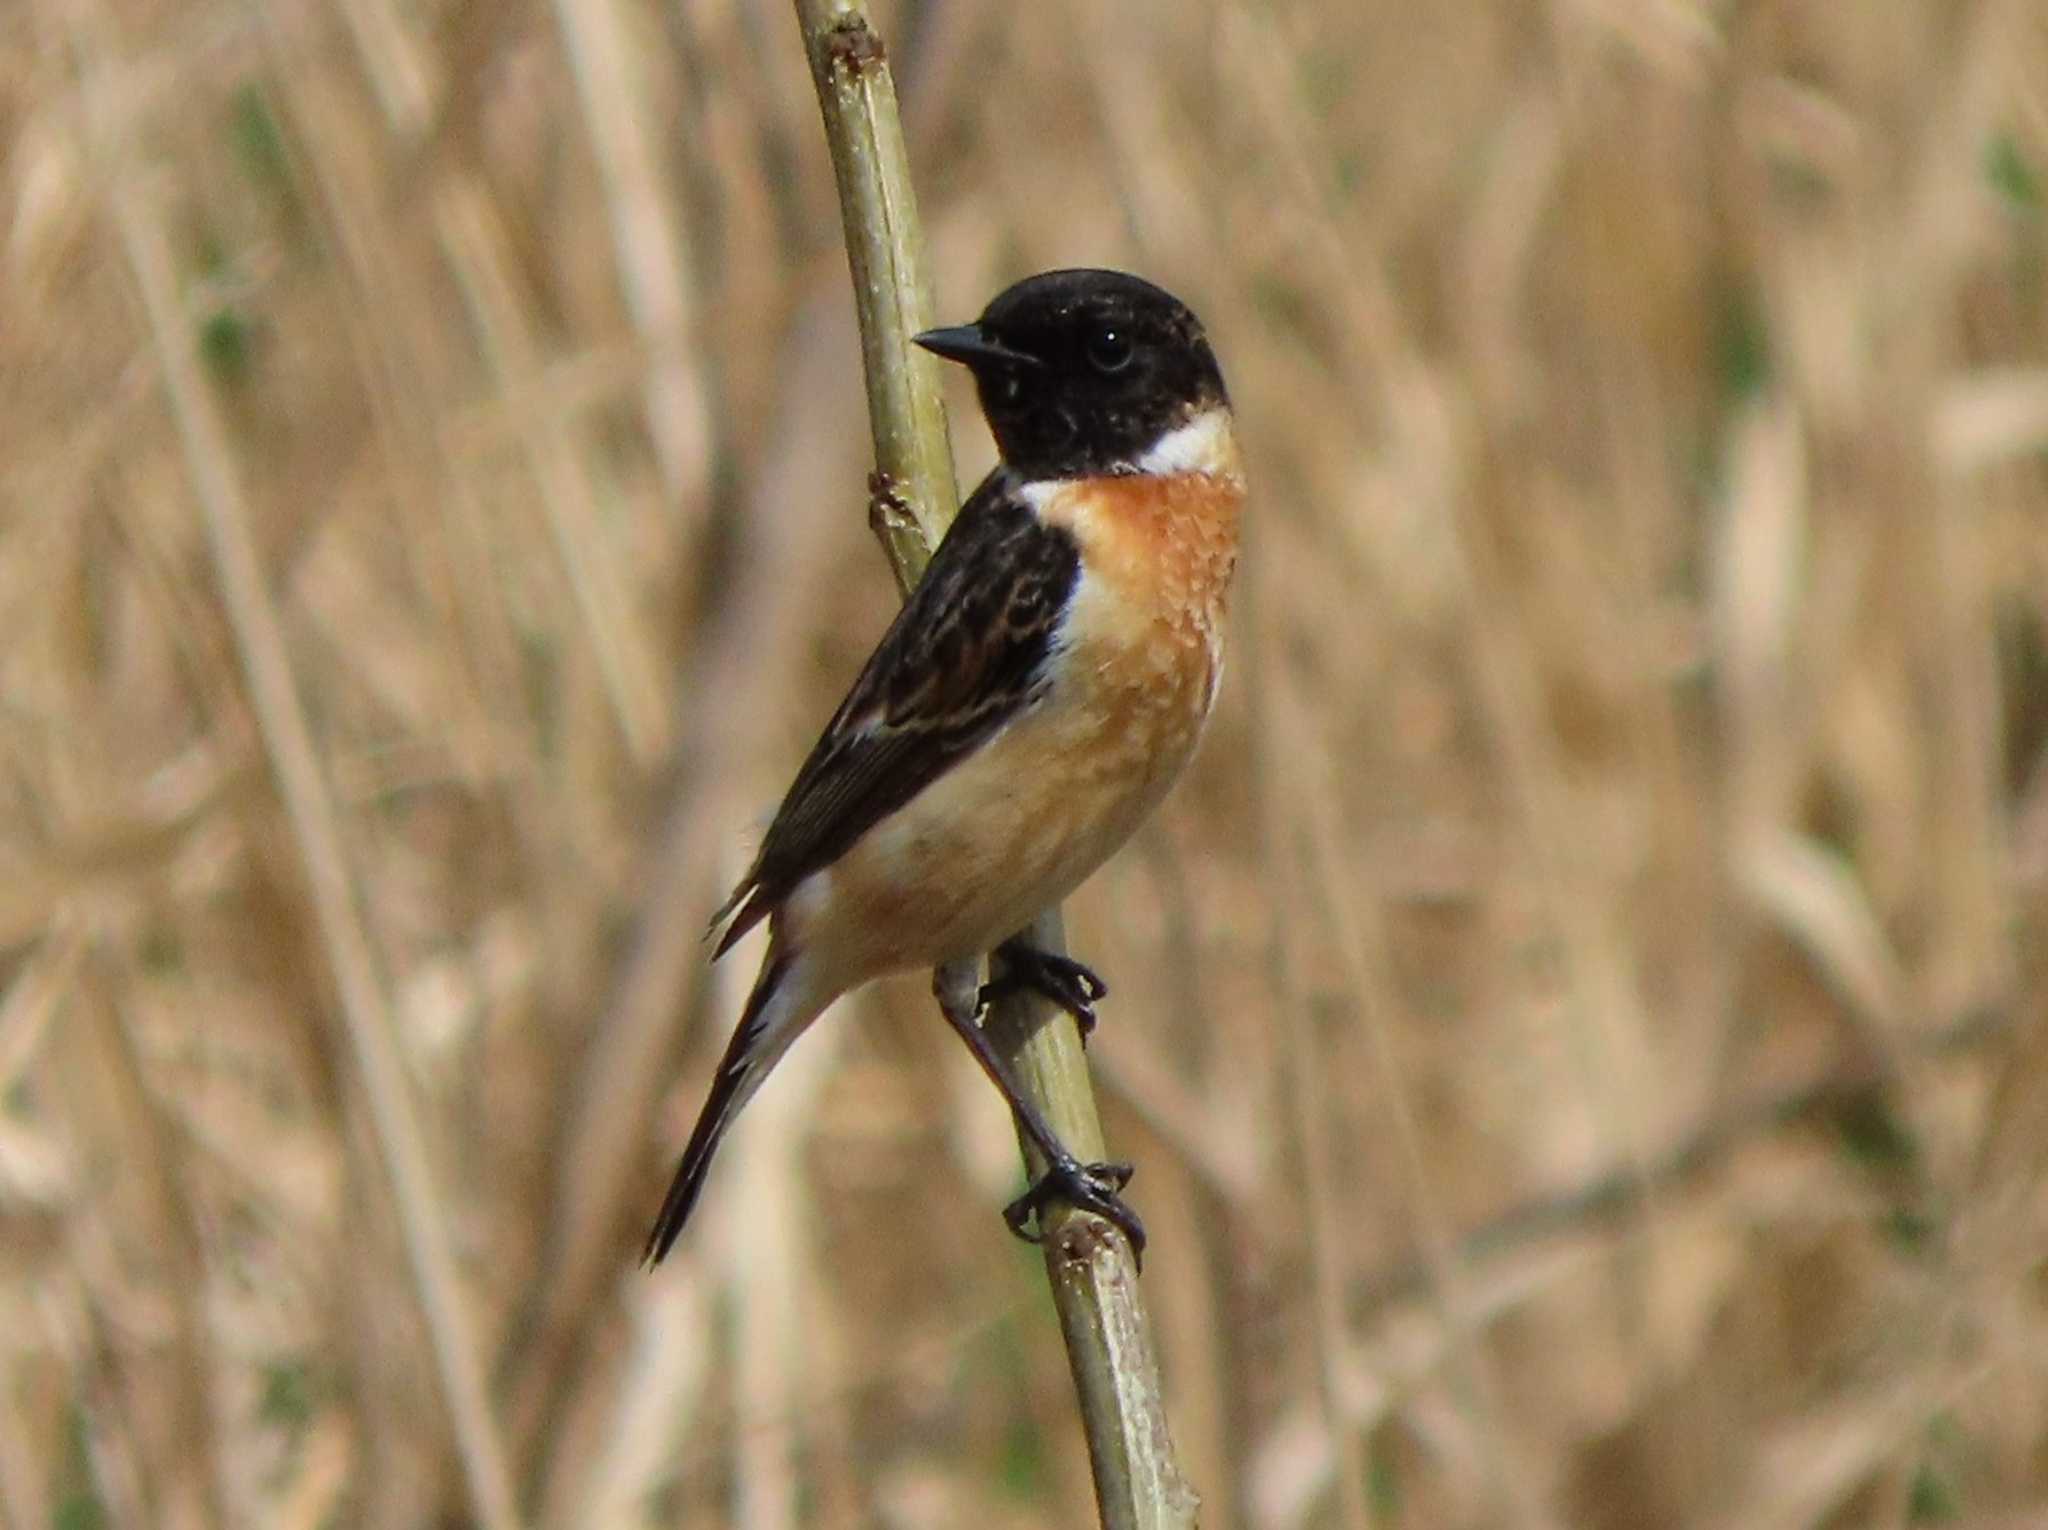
{"x": 2010, "y": 174}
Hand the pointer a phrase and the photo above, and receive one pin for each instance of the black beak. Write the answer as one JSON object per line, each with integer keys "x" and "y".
{"x": 970, "y": 344}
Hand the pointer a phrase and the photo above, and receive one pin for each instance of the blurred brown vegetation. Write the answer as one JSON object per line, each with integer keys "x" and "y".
{"x": 1579, "y": 1026}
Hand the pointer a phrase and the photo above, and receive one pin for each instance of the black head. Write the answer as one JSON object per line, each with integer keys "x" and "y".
{"x": 1080, "y": 372}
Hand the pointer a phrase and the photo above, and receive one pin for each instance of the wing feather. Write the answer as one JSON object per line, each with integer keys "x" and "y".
{"x": 967, "y": 653}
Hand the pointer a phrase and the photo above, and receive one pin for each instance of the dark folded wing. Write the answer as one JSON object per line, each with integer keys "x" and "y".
{"x": 964, "y": 656}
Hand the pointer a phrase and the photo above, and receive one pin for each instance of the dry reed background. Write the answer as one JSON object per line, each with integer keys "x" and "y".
{"x": 1580, "y": 1024}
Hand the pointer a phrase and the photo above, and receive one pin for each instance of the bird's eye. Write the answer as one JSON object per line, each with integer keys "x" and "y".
{"x": 1109, "y": 350}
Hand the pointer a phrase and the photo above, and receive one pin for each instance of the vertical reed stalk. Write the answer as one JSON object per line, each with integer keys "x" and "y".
{"x": 1138, "y": 1481}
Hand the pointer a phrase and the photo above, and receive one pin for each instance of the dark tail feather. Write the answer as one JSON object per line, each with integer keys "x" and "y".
{"x": 747, "y": 907}
{"x": 738, "y": 1072}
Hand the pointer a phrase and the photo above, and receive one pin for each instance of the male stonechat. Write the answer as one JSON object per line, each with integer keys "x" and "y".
{"x": 1035, "y": 697}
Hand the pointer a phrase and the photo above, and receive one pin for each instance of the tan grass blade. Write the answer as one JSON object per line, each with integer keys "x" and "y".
{"x": 364, "y": 1013}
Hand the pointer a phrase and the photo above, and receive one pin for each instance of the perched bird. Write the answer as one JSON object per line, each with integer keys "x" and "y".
{"x": 1032, "y": 702}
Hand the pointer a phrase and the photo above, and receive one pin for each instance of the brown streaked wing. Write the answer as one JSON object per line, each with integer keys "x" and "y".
{"x": 965, "y": 655}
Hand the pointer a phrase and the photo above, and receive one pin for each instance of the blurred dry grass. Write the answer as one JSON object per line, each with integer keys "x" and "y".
{"x": 1580, "y": 1026}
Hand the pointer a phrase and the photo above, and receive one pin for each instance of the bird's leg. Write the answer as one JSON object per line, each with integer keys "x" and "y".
{"x": 1087, "y": 1186}
{"x": 1070, "y": 985}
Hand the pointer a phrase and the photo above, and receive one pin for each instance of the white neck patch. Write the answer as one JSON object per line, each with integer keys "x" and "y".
{"x": 1204, "y": 445}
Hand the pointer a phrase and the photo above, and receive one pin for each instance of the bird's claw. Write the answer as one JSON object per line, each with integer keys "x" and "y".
{"x": 1086, "y": 1187}
{"x": 1072, "y": 986}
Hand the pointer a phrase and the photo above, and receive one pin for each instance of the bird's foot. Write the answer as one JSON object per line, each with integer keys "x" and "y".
{"x": 1085, "y": 1186}
{"x": 1069, "y": 984}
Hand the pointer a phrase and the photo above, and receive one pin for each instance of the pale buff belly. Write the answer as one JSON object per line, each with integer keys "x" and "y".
{"x": 1016, "y": 826}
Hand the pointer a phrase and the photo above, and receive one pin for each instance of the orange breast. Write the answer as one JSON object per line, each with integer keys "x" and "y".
{"x": 1165, "y": 545}
{"x": 1143, "y": 640}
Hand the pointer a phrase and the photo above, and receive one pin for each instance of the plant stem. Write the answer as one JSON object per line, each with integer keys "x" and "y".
{"x": 1138, "y": 1482}
{"x": 915, "y": 496}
